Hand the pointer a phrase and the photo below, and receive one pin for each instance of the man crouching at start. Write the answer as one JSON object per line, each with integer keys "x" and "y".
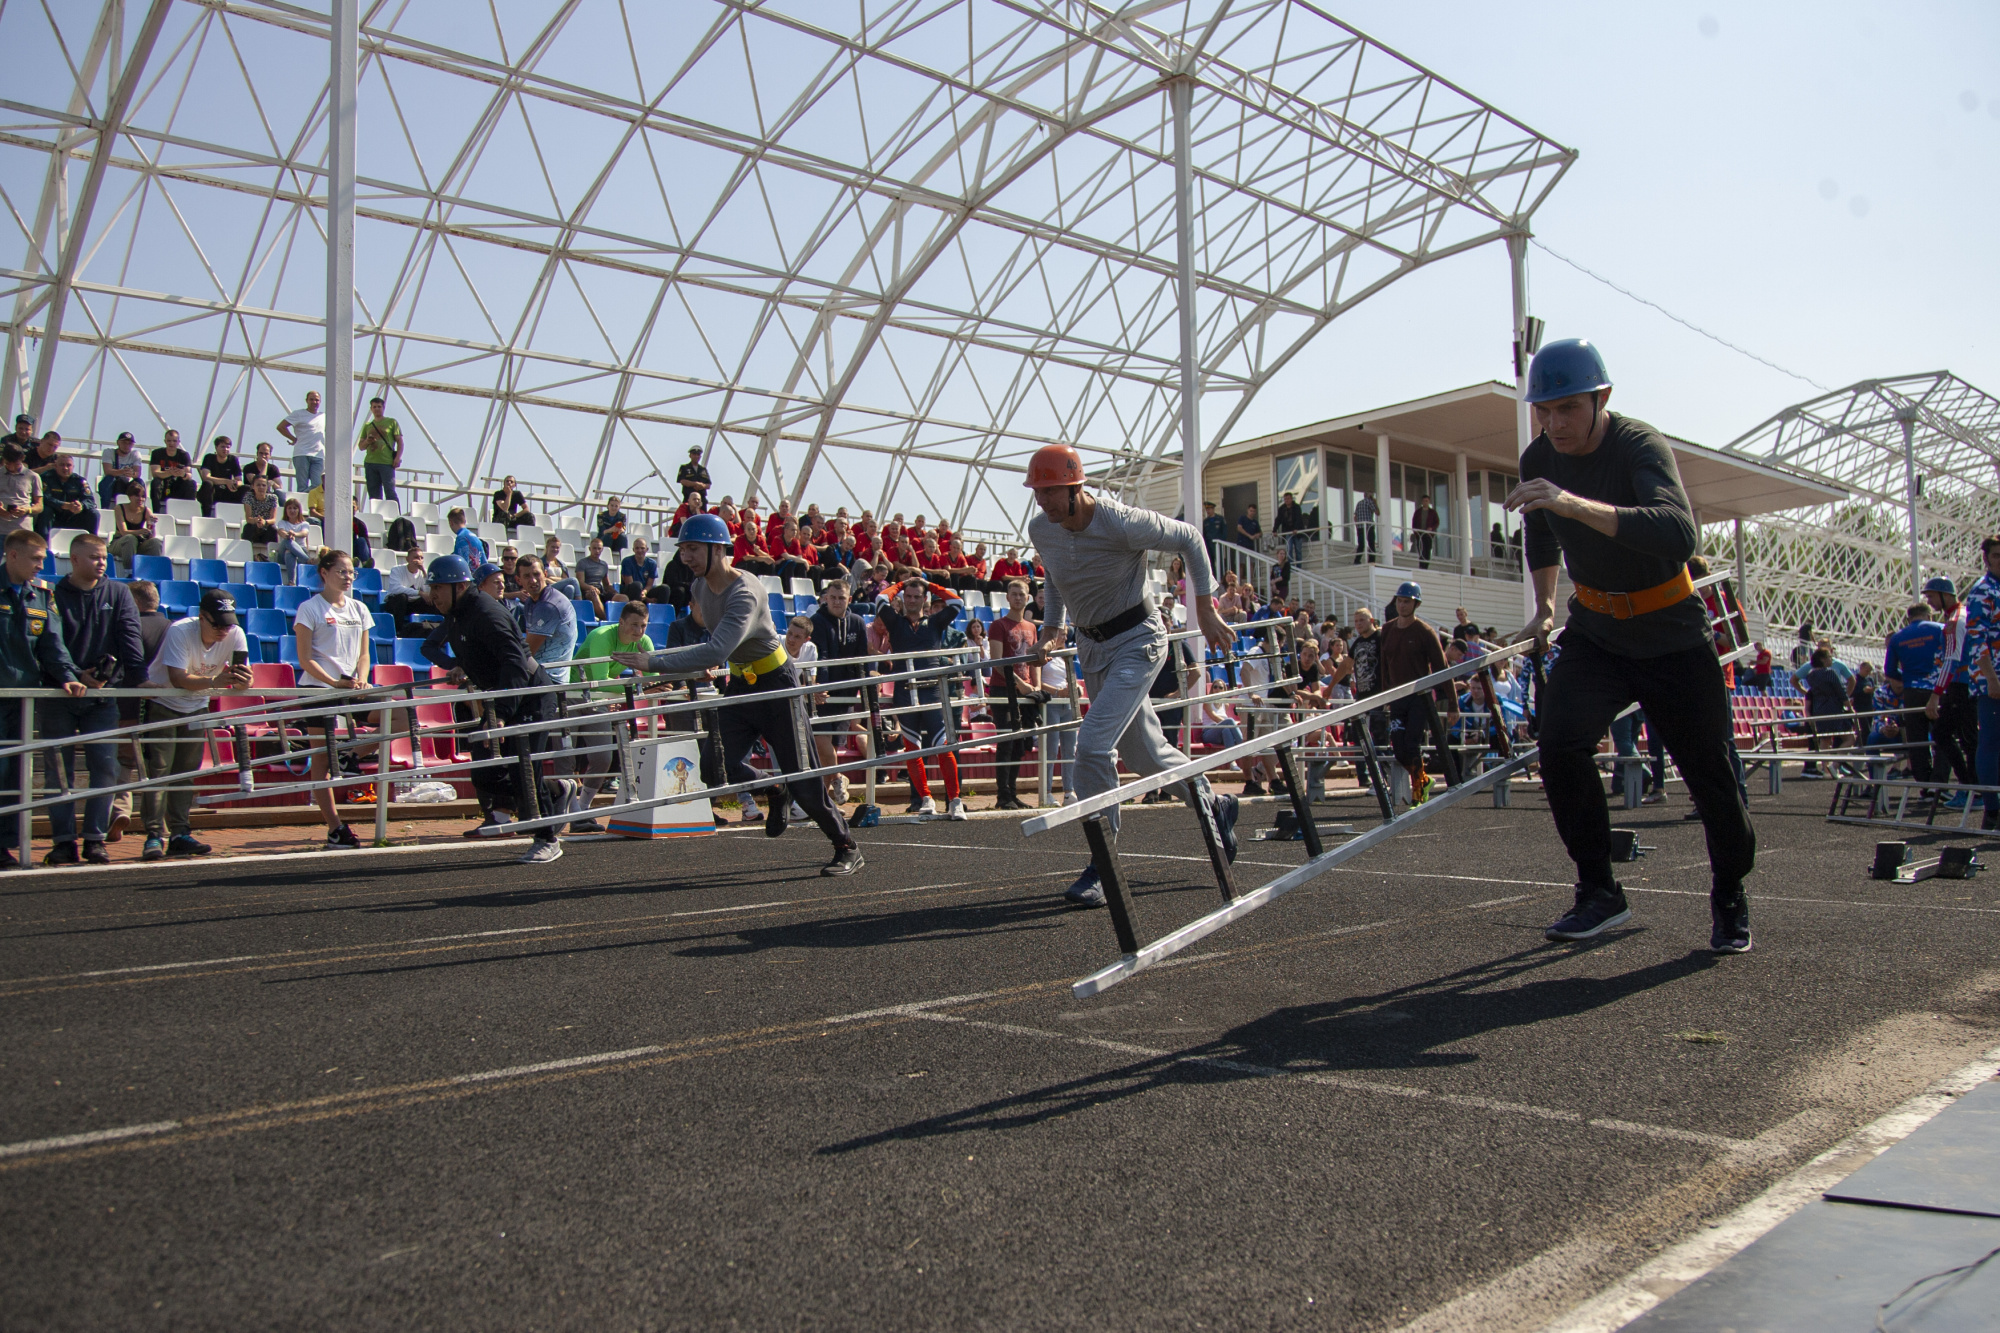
{"x": 744, "y": 639}
{"x": 1094, "y": 550}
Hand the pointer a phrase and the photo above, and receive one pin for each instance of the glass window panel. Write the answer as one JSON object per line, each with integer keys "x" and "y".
{"x": 1299, "y": 474}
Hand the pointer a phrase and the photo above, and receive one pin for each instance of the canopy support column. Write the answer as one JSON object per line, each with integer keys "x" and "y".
{"x": 1182, "y": 92}
{"x": 339, "y": 395}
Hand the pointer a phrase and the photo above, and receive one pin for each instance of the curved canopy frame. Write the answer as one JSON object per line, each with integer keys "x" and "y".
{"x": 845, "y": 249}
{"x": 1844, "y": 567}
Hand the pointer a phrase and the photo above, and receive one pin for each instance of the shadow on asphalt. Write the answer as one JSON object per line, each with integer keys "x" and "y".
{"x": 1396, "y": 1029}
{"x": 859, "y": 931}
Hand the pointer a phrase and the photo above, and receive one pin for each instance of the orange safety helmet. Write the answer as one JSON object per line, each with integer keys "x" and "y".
{"x": 1055, "y": 465}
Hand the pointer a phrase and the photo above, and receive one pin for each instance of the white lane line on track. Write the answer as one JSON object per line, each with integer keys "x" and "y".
{"x": 82, "y": 1140}
{"x": 1349, "y": 1084}
{"x": 1652, "y": 1282}
{"x": 1048, "y": 851}
{"x": 1828, "y": 902}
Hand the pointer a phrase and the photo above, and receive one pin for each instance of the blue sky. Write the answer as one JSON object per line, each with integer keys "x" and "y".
{"x": 1818, "y": 183}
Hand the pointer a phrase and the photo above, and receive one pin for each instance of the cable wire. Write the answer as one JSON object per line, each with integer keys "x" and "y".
{"x": 1688, "y": 324}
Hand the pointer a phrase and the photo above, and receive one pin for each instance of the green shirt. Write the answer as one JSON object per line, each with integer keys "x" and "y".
{"x": 602, "y": 642}
{"x": 379, "y": 438}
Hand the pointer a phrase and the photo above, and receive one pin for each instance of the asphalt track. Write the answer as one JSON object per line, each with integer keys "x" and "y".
{"x": 696, "y": 1085}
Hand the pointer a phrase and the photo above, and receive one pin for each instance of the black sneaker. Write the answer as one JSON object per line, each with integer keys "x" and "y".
{"x": 342, "y": 839}
{"x": 93, "y": 852}
{"x": 183, "y": 844}
{"x": 1253, "y": 789}
{"x": 1596, "y": 910}
{"x": 7, "y": 861}
{"x": 155, "y": 850}
{"x": 1088, "y": 891}
{"x": 63, "y": 854}
{"x": 779, "y": 817}
{"x": 585, "y": 826}
{"x": 1225, "y": 809}
{"x": 1731, "y": 918}
{"x": 845, "y": 862}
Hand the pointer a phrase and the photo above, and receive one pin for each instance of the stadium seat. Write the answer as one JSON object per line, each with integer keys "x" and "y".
{"x": 49, "y": 565}
{"x": 368, "y": 581}
{"x": 235, "y": 551}
{"x": 208, "y": 573}
{"x": 267, "y": 626}
{"x": 229, "y": 515}
{"x": 263, "y": 574}
{"x": 245, "y": 595}
{"x": 410, "y": 653}
{"x": 439, "y": 544}
{"x": 180, "y": 596}
{"x": 288, "y": 651}
{"x": 984, "y": 614}
{"x": 156, "y": 568}
{"x": 289, "y": 599}
{"x": 184, "y": 509}
{"x": 659, "y": 616}
{"x": 180, "y": 550}
{"x": 210, "y": 529}
{"x": 307, "y": 577}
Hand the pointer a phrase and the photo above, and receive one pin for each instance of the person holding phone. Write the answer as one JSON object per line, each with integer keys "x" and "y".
{"x": 202, "y": 655}
{"x": 332, "y": 629}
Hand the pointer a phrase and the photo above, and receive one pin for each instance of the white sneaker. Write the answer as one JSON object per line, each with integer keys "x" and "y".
{"x": 923, "y": 805}
{"x": 751, "y": 814}
{"x": 540, "y": 853}
{"x": 796, "y": 815}
{"x": 955, "y": 808}
{"x": 840, "y": 789}
{"x": 1069, "y": 798}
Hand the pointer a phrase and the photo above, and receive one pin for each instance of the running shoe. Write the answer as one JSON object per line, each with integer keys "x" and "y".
{"x": 182, "y": 844}
{"x": 845, "y": 861}
{"x": 1225, "y": 809}
{"x": 585, "y": 826}
{"x": 155, "y": 850}
{"x": 541, "y": 852}
{"x": 955, "y": 808}
{"x": 1088, "y": 891}
{"x": 840, "y": 789}
{"x": 342, "y": 839}
{"x": 487, "y": 827}
{"x": 1955, "y": 801}
{"x": 1422, "y": 791}
{"x": 1253, "y": 788}
{"x": 93, "y": 852}
{"x": 120, "y": 821}
{"x": 63, "y": 854}
{"x": 796, "y": 814}
{"x": 1653, "y": 797}
{"x": 751, "y": 814}
{"x": 1596, "y": 910}
{"x": 922, "y": 806}
{"x": 777, "y": 821}
{"x": 1731, "y": 929}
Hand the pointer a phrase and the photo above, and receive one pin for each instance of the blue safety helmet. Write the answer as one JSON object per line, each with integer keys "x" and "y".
{"x": 1942, "y": 584}
{"x": 705, "y": 528}
{"x": 449, "y": 569}
{"x": 1414, "y": 591}
{"x": 487, "y": 569}
{"x": 1565, "y": 367}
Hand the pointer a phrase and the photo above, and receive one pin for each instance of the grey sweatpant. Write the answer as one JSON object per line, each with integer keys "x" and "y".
{"x": 1121, "y": 723}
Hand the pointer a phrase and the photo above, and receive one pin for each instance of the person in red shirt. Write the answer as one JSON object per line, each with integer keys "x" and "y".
{"x": 1011, "y": 566}
{"x": 689, "y": 507}
{"x": 965, "y": 572}
{"x": 749, "y": 552}
{"x": 774, "y": 526}
{"x": 793, "y": 553}
{"x": 867, "y": 540}
{"x": 916, "y": 530}
{"x": 930, "y": 559}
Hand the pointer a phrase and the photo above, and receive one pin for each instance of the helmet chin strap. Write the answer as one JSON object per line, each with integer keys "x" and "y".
{"x": 1074, "y": 491}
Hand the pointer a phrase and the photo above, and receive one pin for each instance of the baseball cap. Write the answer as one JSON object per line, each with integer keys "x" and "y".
{"x": 218, "y": 608}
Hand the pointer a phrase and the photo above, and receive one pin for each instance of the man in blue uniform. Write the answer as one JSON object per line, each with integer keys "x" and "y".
{"x": 910, "y": 630}
{"x": 1910, "y": 669}
{"x": 32, "y": 654}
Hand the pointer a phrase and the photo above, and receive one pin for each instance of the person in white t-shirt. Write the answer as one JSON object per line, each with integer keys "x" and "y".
{"x": 334, "y": 652}
{"x": 1055, "y": 680}
{"x": 306, "y": 429}
{"x": 295, "y": 543}
{"x": 198, "y": 657}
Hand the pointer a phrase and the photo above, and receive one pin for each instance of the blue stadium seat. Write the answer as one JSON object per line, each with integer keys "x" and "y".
{"x": 288, "y": 650}
{"x": 290, "y": 599}
{"x": 155, "y": 568}
{"x": 410, "y": 653}
{"x": 778, "y": 610}
{"x": 658, "y": 617}
{"x": 263, "y": 574}
{"x": 49, "y": 563}
{"x": 208, "y": 573}
{"x": 368, "y": 580}
{"x": 245, "y": 595}
{"x": 180, "y": 596}
{"x": 267, "y": 627}
{"x": 983, "y": 614}
{"x": 307, "y": 576}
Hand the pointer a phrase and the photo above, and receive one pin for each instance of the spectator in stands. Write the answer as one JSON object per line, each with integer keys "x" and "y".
{"x": 1290, "y": 523}
{"x": 23, "y": 435}
{"x": 638, "y": 571}
{"x": 30, "y": 658}
{"x": 382, "y": 451}
{"x": 295, "y": 540}
{"x": 1826, "y": 705}
{"x": 490, "y": 579}
{"x": 1016, "y": 692}
{"x": 548, "y": 619}
{"x": 153, "y": 627}
{"x": 100, "y": 627}
{"x": 558, "y": 573}
{"x": 221, "y": 477}
{"x": 1982, "y": 639}
{"x": 509, "y": 556}
{"x": 964, "y": 572}
{"x": 172, "y": 471}
{"x": 202, "y": 655}
{"x": 1760, "y": 671}
{"x": 403, "y": 590}
{"x": 693, "y": 477}
{"x": 1496, "y": 542}
{"x": 260, "y": 518}
{"x": 1249, "y": 532}
{"x": 334, "y": 651}
{"x": 748, "y": 550}
{"x": 43, "y": 456}
{"x": 305, "y": 431}
{"x": 611, "y": 526}
{"x": 837, "y": 632}
{"x": 265, "y": 468}
{"x": 593, "y": 576}
{"x": 465, "y": 543}
{"x": 20, "y": 491}
{"x": 510, "y": 507}
{"x": 1424, "y": 531}
{"x": 66, "y": 500}
{"x": 121, "y": 467}
{"x": 793, "y": 555}
{"x": 135, "y": 528}
{"x": 627, "y": 634}
{"x": 1364, "y": 528}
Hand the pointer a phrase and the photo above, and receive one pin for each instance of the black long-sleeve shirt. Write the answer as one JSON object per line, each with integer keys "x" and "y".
{"x": 1633, "y": 471}
{"x": 837, "y": 637}
{"x": 101, "y": 630}
{"x": 486, "y": 642}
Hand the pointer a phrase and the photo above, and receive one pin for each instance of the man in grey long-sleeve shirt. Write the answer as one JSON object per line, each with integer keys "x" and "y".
{"x": 743, "y": 639}
{"x": 1094, "y": 550}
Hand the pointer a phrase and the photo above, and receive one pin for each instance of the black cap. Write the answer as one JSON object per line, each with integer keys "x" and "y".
{"x": 28, "y": 417}
{"x": 218, "y": 608}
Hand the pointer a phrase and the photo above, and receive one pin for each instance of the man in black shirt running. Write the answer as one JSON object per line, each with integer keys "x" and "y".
{"x": 1601, "y": 493}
